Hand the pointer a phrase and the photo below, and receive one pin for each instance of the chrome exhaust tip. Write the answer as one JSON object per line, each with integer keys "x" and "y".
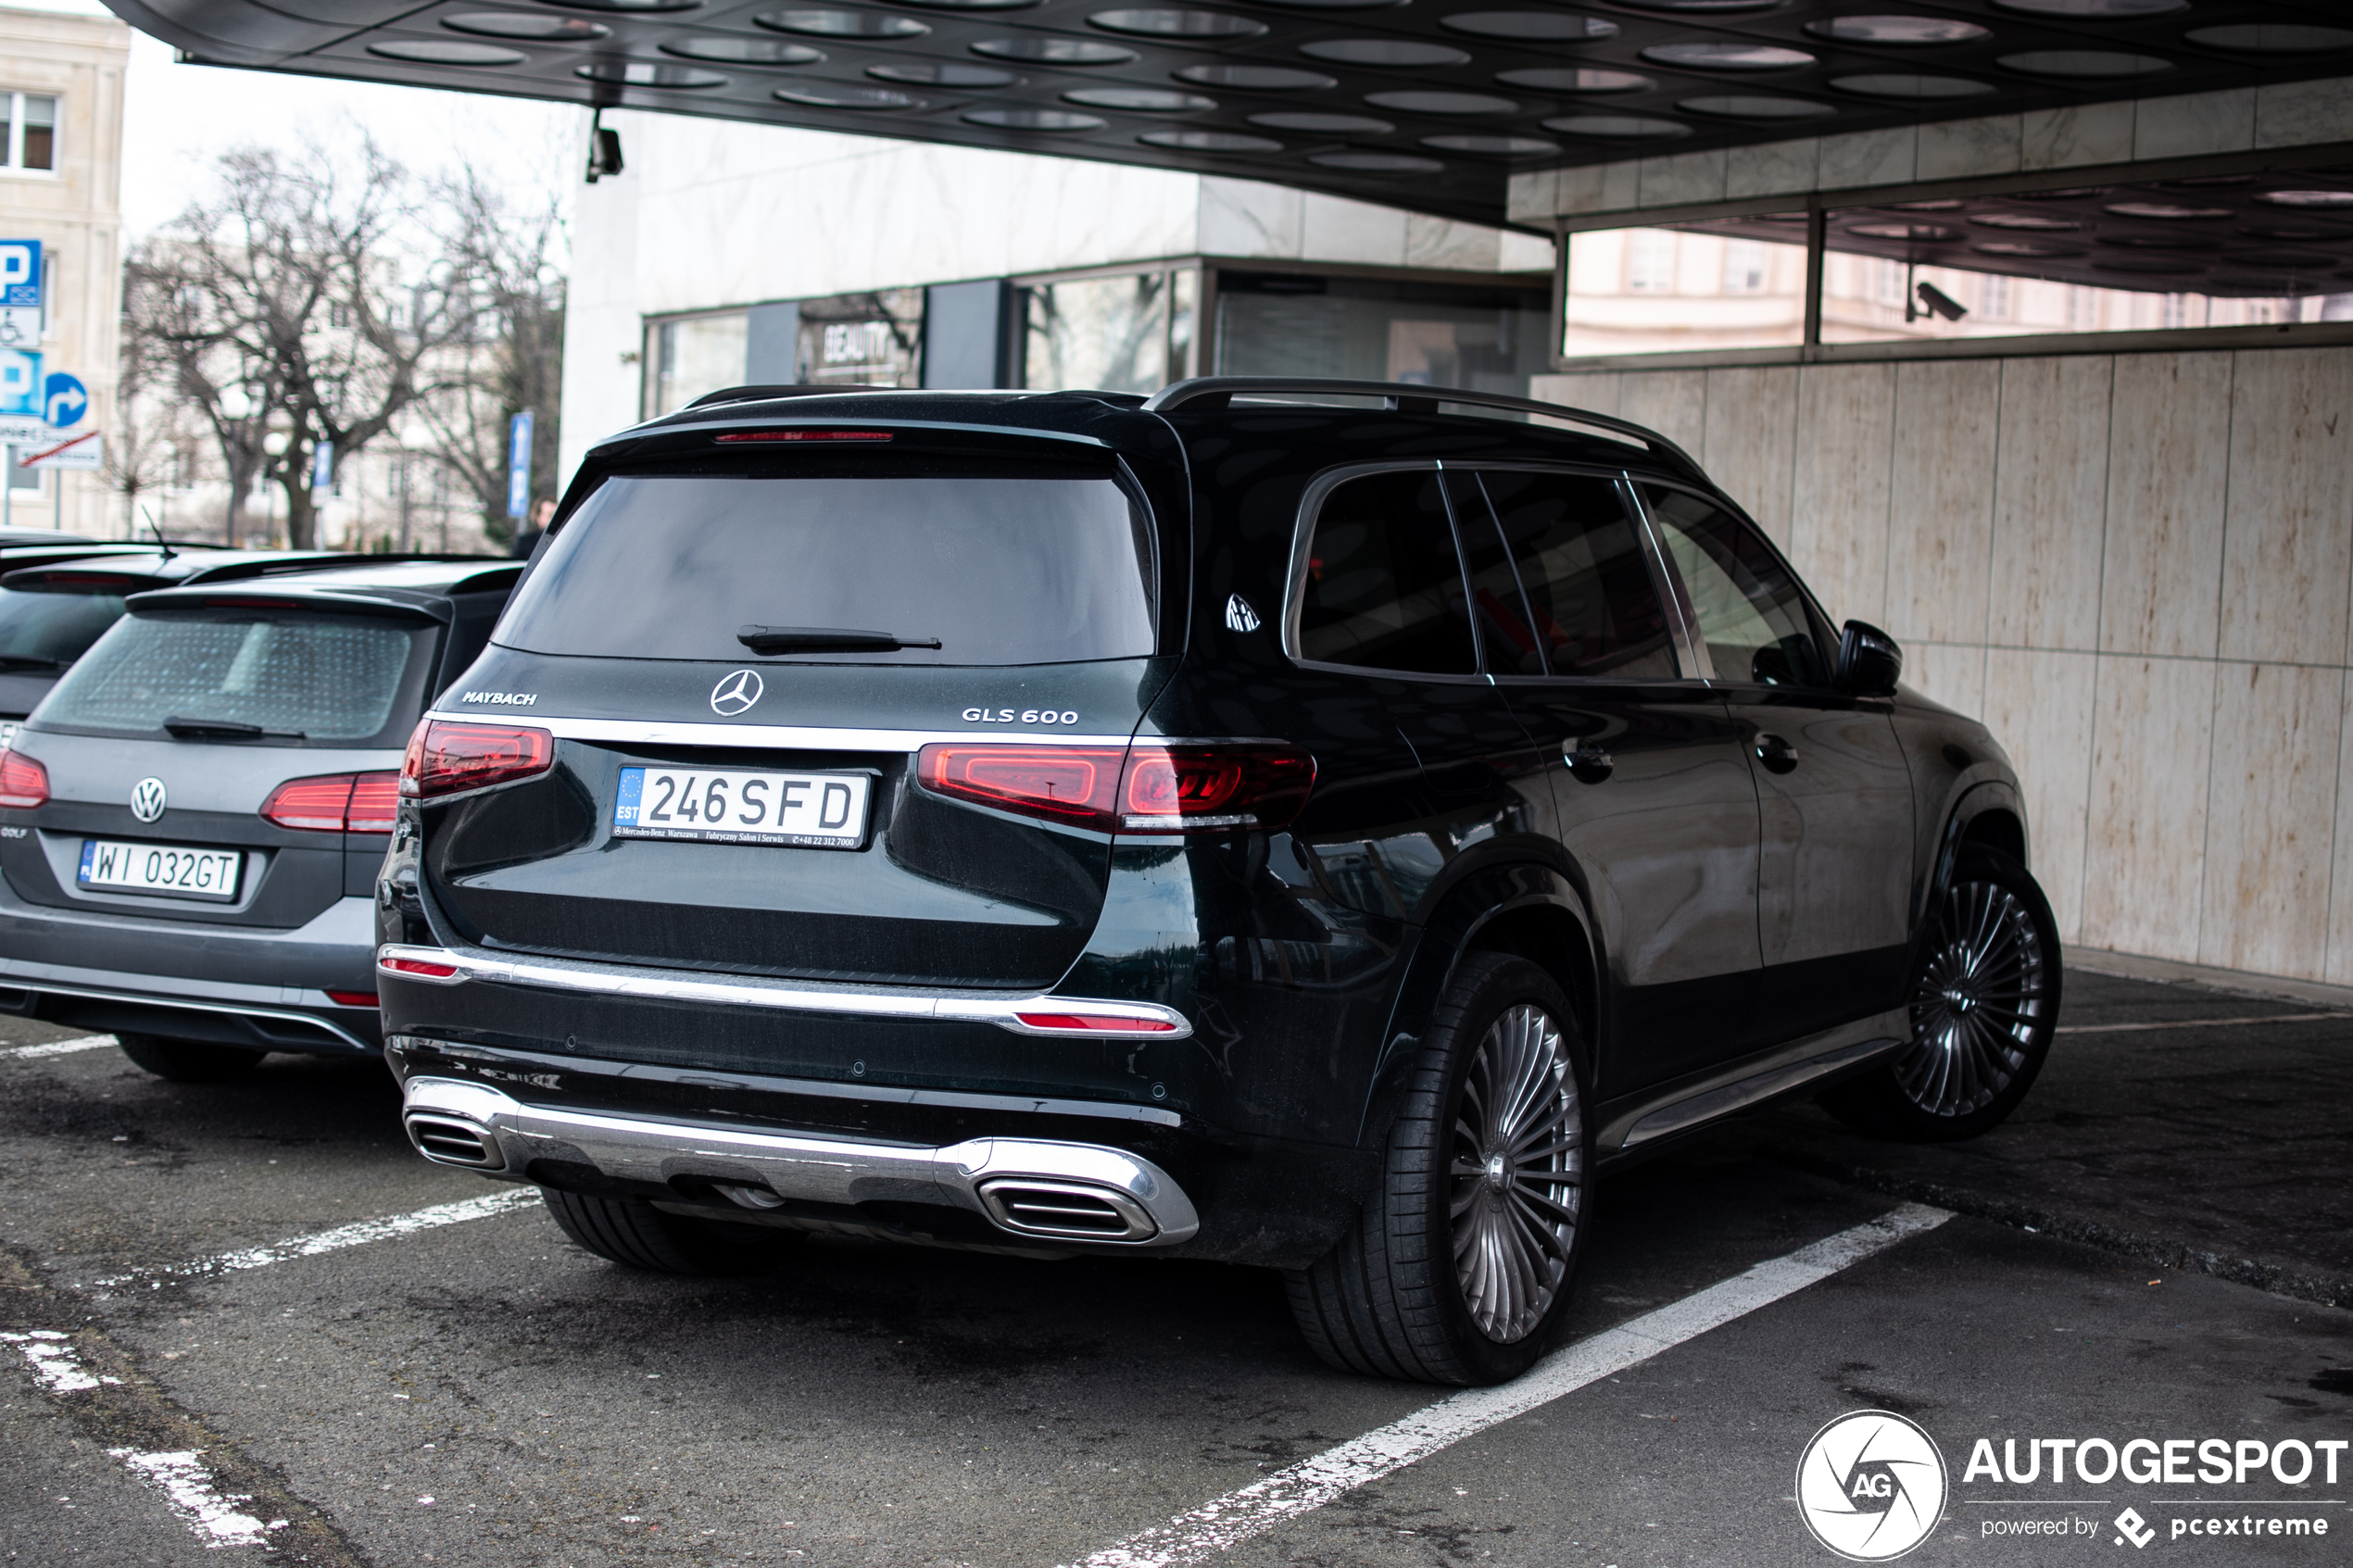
{"x": 1065, "y": 1211}
{"x": 445, "y": 1140}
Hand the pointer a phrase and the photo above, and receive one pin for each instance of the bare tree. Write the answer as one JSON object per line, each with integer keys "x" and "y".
{"x": 143, "y": 451}
{"x": 309, "y": 302}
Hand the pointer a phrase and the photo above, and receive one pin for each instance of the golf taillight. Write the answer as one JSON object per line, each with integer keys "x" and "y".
{"x": 444, "y": 758}
{"x": 24, "y": 782}
{"x": 1146, "y": 787}
{"x": 335, "y": 803}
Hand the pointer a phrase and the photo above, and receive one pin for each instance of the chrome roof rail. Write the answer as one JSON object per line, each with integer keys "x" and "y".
{"x": 1218, "y": 392}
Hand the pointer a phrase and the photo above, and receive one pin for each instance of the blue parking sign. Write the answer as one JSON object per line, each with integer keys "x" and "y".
{"x": 21, "y": 383}
{"x": 21, "y": 273}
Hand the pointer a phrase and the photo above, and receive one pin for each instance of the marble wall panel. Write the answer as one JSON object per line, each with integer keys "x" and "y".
{"x": 1335, "y": 229}
{"x": 1954, "y": 150}
{"x": 2050, "y": 502}
{"x": 1952, "y": 673}
{"x": 1673, "y": 403}
{"x": 1598, "y": 390}
{"x": 1441, "y": 242}
{"x": 2192, "y": 123}
{"x": 2339, "y": 970}
{"x": 1940, "y": 503}
{"x": 1245, "y": 218}
{"x": 2080, "y": 133}
{"x": 1750, "y": 435}
{"x": 2287, "y": 542}
{"x": 1866, "y": 157}
{"x": 2039, "y": 704}
{"x": 2145, "y": 833}
{"x": 2296, "y": 114}
{"x": 2168, "y": 471}
{"x": 1685, "y": 177}
{"x": 2269, "y": 818}
{"x": 1838, "y": 488}
{"x": 1772, "y": 167}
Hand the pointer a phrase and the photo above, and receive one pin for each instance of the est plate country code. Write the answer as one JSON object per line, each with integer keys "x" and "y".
{"x": 812, "y": 810}
{"x": 161, "y": 868}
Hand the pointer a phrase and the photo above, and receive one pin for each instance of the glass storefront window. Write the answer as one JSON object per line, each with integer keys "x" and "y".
{"x": 1108, "y": 335}
{"x": 692, "y": 356}
{"x": 1424, "y": 334}
{"x": 1665, "y": 291}
{"x": 862, "y": 340}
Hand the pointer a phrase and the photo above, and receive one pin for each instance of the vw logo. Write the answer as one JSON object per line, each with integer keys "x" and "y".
{"x": 733, "y": 696}
{"x": 146, "y": 799}
{"x": 1872, "y": 1485}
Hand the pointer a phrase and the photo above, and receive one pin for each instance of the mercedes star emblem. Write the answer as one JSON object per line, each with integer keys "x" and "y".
{"x": 733, "y": 696}
{"x": 146, "y": 799}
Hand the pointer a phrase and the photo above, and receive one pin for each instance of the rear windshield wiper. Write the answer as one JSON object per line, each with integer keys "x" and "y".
{"x": 28, "y": 661}
{"x": 825, "y": 639}
{"x": 225, "y": 729}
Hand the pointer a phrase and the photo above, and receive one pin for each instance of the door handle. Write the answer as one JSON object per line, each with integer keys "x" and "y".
{"x": 1589, "y": 762}
{"x": 1777, "y": 753}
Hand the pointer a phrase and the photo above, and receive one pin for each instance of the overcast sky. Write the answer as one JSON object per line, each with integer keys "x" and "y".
{"x": 178, "y": 118}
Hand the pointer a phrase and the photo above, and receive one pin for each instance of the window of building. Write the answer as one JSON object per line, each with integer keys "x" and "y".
{"x": 32, "y": 131}
{"x": 1480, "y": 338}
{"x": 872, "y": 339}
{"x": 1653, "y": 290}
{"x": 691, "y": 357}
{"x": 1110, "y": 334}
{"x": 1743, "y": 266}
{"x": 1649, "y": 261}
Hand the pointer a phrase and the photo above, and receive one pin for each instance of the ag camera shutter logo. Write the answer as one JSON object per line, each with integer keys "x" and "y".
{"x": 1872, "y": 1485}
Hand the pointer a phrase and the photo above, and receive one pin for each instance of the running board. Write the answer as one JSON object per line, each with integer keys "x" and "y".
{"x": 1831, "y": 1053}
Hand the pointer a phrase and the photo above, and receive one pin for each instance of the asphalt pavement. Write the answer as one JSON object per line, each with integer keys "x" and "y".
{"x": 245, "y": 1322}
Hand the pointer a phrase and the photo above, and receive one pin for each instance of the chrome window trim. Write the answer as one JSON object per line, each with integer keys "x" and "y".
{"x": 647, "y": 984}
{"x": 1691, "y": 648}
{"x": 1311, "y": 502}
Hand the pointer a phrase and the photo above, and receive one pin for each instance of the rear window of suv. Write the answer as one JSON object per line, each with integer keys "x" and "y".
{"x": 1001, "y": 564}
{"x": 45, "y": 629}
{"x": 301, "y": 679}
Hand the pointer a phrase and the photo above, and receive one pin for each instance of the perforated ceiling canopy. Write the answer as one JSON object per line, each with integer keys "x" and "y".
{"x": 1421, "y": 104}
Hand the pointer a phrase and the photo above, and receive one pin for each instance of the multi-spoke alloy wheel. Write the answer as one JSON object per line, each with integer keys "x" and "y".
{"x": 1518, "y": 1174}
{"x": 1979, "y": 1003}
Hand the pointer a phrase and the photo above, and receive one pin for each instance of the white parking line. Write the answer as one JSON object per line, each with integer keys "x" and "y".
{"x": 51, "y": 1354}
{"x": 357, "y": 1234}
{"x": 2197, "y": 1023}
{"x": 59, "y": 1047}
{"x": 1312, "y": 1483}
{"x": 196, "y": 1498}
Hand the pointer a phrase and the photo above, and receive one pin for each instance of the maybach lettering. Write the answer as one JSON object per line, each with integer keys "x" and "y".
{"x": 502, "y": 699}
{"x": 2145, "y": 1462}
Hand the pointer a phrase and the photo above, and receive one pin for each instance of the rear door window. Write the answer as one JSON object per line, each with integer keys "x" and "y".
{"x": 1001, "y": 563}
{"x": 1384, "y": 586}
{"x": 1593, "y": 604}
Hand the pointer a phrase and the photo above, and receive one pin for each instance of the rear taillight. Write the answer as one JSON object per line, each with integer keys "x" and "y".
{"x": 334, "y": 803}
{"x": 353, "y": 998}
{"x": 1096, "y": 1023}
{"x": 1147, "y": 787}
{"x": 445, "y": 759}
{"x": 24, "y": 782}
{"x": 423, "y": 968}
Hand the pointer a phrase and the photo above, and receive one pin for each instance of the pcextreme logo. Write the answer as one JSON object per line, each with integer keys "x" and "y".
{"x": 1872, "y": 1485}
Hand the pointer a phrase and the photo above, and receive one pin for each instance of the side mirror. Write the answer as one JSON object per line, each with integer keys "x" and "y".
{"x": 1869, "y": 661}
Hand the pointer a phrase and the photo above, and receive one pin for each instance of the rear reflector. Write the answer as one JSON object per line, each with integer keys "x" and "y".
{"x": 1147, "y": 787}
{"x": 352, "y": 998}
{"x": 733, "y": 437}
{"x": 447, "y": 758}
{"x": 335, "y": 803}
{"x": 1096, "y": 1024}
{"x": 425, "y": 968}
{"x": 24, "y": 782}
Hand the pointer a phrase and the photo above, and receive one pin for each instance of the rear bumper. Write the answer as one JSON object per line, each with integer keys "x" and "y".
{"x": 1030, "y": 1189}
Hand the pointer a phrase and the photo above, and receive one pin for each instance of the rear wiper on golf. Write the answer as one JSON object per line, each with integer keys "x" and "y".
{"x": 825, "y": 639}
{"x": 224, "y": 729}
{"x": 28, "y": 661}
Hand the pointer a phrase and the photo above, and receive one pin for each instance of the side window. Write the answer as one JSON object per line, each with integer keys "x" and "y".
{"x": 1751, "y": 613}
{"x": 1591, "y": 598}
{"x": 1384, "y": 588}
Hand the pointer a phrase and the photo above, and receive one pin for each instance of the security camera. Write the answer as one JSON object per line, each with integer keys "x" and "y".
{"x": 1935, "y": 299}
{"x": 604, "y": 149}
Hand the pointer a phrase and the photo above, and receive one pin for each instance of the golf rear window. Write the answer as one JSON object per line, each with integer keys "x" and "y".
{"x": 1001, "y": 563}
{"x": 301, "y": 679}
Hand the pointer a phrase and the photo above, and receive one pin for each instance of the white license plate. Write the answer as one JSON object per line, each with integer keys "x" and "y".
{"x": 160, "y": 868}
{"x": 814, "y": 811}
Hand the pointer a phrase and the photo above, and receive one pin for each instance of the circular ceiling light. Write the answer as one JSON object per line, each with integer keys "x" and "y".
{"x": 826, "y": 96}
{"x": 1257, "y": 79}
{"x": 2165, "y": 242}
{"x": 1575, "y": 79}
{"x": 1736, "y": 106}
{"x": 1493, "y": 146}
{"x": 2091, "y": 65}
{"x": 633, "y": 5}
{"x": 2149, "y": 266}
{"x": 1900, "y": 30}
{"x": 2293, "y": 232}
{"x": 1535, "y": 27}
{"x": 1701, "y": 6}
{"x": 970, "y": 5}
{"x": 1894, "y": 84}
{"x": 516, "y": 24}
{"x": 1942, "y": 205}
{"x": 1211, "y": 142}
{"x": 2093, "y": 10}
{"x": 1391, "y": 52}
{"x": 1932, "y": 232}
{"x": 1376, "y": 163}
{"x": 774, "y": 52}
{"x": 2167, "y": 212}
{"x": 841, "y": 24}
{"x": 2032, "y": 222}
{"x": 952, "y": 73}
{"x": 1333, "y": 4}
{"x": 1049, "y": 51}
{"x": 644, "y": 73}
{"x": 1178, "y": 24}
{"x": 2072, "y": 192}
{"x": 1441, "y": 103}
{"x": 1325, "y": 124}
{"x": 1726, "y": 56}
{"x": 2284, "y": 260}
{"x": 2271, "y": 38}
{"x": 1057, "y": 122}
{"x": 1618, "y": 127}
{"x": 435, "y": 52}
{"x": 1140, "y": 100}
{"x": 2024, "y": 247}
{"x": 2307, "y": 199}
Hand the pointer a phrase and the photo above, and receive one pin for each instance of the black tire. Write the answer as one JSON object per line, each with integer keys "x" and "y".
{"x": 1984, "y": 1003}
{"x": 633, "y": 1232}
{"x": 1405, "y": 1293}
{"x": 188, "y": 1061}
